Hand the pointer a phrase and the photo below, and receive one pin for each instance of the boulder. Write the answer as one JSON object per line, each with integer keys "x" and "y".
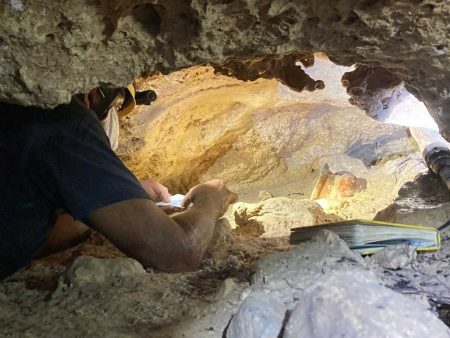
{"x": 348, "y": 304}
{"x": 90, "y": 270}
{"x": 275, "y": 217}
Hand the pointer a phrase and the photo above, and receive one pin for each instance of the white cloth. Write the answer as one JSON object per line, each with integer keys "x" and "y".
{"x": 111, "y": 126}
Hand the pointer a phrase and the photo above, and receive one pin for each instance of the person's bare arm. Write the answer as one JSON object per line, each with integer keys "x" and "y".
{"x": 142, "y": 231}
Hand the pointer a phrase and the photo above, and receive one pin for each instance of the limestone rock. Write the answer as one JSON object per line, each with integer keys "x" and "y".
{"x": 383, "y": 97}
{"x": 90, "y": 270}
{"x": 264, "y": 195}
{"x": 226, "y": 288}
{"x": 395, "y": 257}
{"x": 222, "y": 235}
{"x": 72, "y": 48}
{"x": 218, "y": 139}
{"x": 275, "y": 217}
{"x": 330, "y": 292}
{"x": 383, "y": 183}
{"x": 251, "y": 134}
{"x": 322, "y": 279}
{"x": 283, "y": 68}
{"x": 302, "y": 265}
{"x": 343, "y": 162}
{"x": 374, "y": 89}
{"x": 260, "y": 316}
{"x": 388, "y": 146}
{"x": 335, "y": 187}
{"x": 424, "y": 201}
{"x": 249, "y": 160}
{"x": 345, "y": 304}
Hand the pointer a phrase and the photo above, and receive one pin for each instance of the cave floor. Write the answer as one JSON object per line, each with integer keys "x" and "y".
{"x": 45, "y": 299}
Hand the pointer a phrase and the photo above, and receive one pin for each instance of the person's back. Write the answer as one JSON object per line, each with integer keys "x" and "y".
{"x": 40, "y": 173}
{"x": 25, "y": 214}
{"x": 61, "y": 159}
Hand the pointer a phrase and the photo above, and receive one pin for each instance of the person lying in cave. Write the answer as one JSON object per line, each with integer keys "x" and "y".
{"x": 61, "y": 159}
{"x": 109, "y": 103}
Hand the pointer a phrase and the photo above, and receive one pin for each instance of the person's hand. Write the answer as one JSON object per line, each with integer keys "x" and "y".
{"x": 156, "y": 191}
{"x": 213, "y": 192}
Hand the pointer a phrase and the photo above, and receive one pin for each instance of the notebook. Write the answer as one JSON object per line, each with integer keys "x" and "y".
{"x": 367, "y": 237}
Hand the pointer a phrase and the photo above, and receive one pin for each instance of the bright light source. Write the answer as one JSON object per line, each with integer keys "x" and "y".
{"x": 408, "y": 112}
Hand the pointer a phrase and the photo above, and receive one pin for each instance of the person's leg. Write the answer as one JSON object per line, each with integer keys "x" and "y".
{"x": 65, "y": 234}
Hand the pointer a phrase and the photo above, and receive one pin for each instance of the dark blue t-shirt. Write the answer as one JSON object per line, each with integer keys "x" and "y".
{"x": 51, "y": 160}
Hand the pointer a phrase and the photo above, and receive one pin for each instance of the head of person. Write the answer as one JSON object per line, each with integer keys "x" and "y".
{"x": 102, "y": 100}
{"x": 123, "y": 99}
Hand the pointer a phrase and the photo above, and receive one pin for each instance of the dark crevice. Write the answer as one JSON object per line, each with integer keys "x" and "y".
{"x": 148, "y": 18}
{"x": 287, "y": 315}
{"x": 225, "y": 331}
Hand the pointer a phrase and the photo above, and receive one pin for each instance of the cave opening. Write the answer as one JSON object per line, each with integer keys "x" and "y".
{"x": 303, "y": 140}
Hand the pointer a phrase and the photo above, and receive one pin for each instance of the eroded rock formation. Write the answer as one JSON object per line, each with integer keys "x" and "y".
{"x": 268, "y": 143}
{"x": 372, "y": 89}
{"x": 207, "y": 125}
{"x": 50, "y": 50}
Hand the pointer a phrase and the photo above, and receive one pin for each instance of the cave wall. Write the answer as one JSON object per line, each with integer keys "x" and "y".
{"x": 50, "y": 50}
{"x": 265, "y": 139}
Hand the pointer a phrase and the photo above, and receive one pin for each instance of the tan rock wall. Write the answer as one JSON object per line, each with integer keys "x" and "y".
{"x": 255, "y": 135}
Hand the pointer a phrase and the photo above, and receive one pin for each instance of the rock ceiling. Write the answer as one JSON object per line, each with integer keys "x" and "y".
{"x": 51, "y": 50}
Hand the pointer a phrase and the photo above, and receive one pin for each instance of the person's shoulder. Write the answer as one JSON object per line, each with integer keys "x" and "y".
{"x": 64, "y": 112}
{"x": 72, "y": 110}
{"x": 17, "y": 112}
{"x": 16, "y": 120}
